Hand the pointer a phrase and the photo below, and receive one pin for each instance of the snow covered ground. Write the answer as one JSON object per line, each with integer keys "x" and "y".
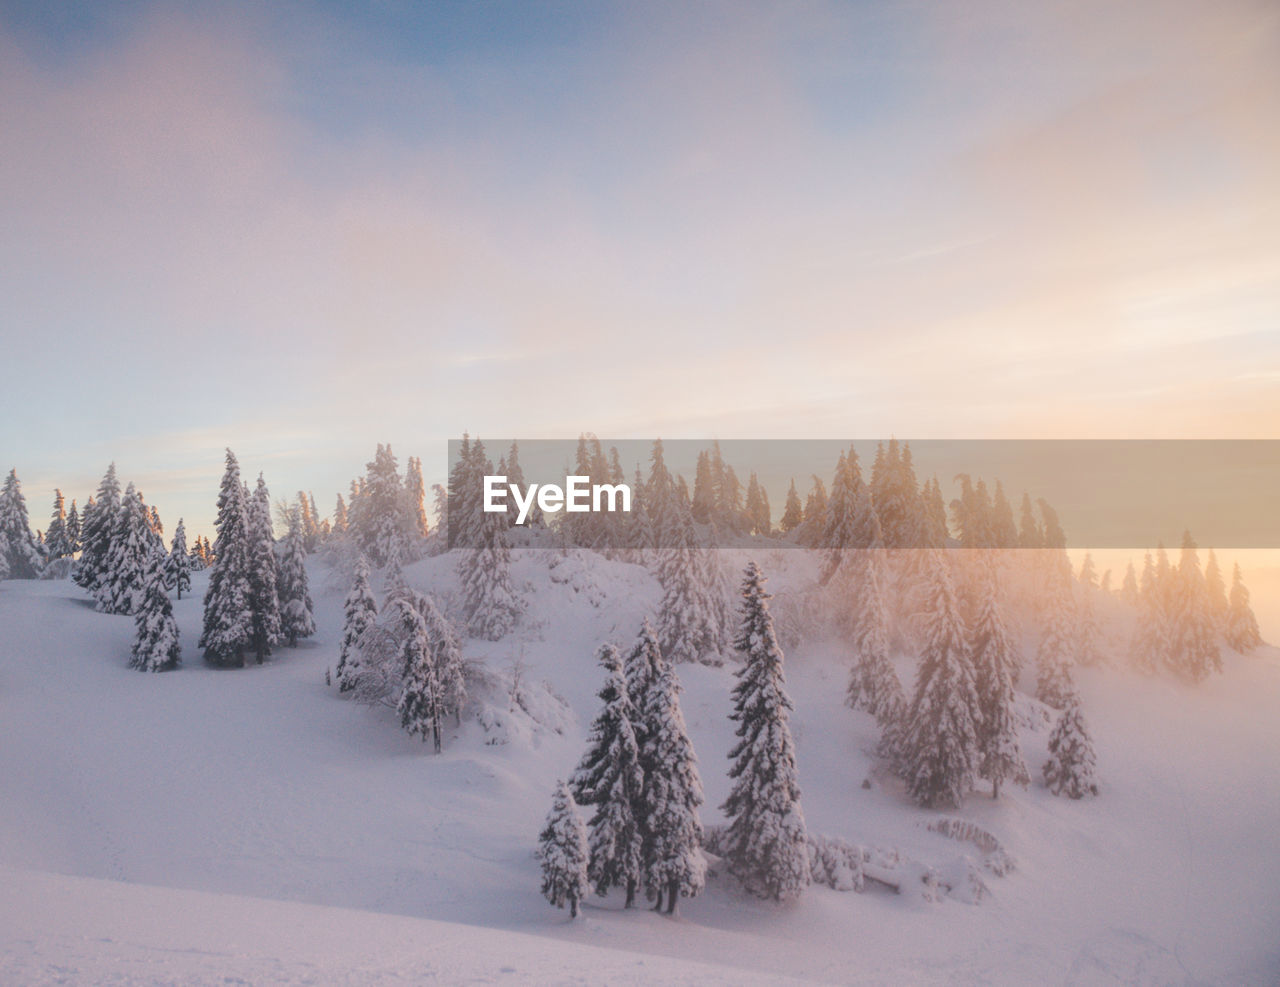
{"x": 213, "y": 825}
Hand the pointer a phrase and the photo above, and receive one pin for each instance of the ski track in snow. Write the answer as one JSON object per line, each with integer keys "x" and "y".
{"x": 251, "y": 826}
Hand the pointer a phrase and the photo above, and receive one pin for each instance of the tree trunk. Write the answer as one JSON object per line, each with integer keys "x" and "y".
{"x": 573, "y": 907}
{"x": 995, "y": 788}
{"x": 673, "y": 892}
{"x": 631, "y": 893}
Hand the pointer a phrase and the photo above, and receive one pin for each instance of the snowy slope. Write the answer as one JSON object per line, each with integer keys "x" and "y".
{"x": 263, "y": 784}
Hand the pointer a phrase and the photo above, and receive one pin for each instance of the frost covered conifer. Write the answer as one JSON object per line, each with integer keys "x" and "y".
{"x": 446, "y": 655}
{"x": 488, "y": 599}
{"x": 995, "y": 663}
{"x": 1217, "y": 590}
{"x": 96, "y": 526}
{"x": 264, "y": 598}
{"x": 873, "y": 682}
{"x": 671, "y": 852}
{"x": 691, "y": 618}
{"x": 420, "y": 705}
{"x": 73, "y": 528}
{"x": 296, "y": 617}
{"x": 1088, "y": 631}
{"x": 1129, "y": 587}
{"x": 17, "y": 544}
{"x": 1242, "y": 626}
{"x": 1057, "y": 647}
{"x": 792, "y": 511}
{"x": 940, "y": 751}
{"x": 360, "y": 612}
{"x": 609, "y": 778}
{"x": 1070, "y": 768}
{"x": 1196, "y": 652}
{"x": 564, "y": 852}
{"x": 177, "y": 573}
{"x": 155, "y": 643}
{"x": 765, "y": 844}
{"x": 839, "y": 533}
{"x": 121, "y": 584}
{"x": 227, "y": 619}
{"x": 57, "y": 543}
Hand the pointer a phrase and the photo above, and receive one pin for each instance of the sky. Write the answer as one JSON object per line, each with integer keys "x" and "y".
{"x": 302, "y": 229}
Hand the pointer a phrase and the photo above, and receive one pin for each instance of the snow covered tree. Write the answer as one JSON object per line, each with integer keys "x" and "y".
{"x": 810, "y": 532}
{"x": 17, "y": 543}
{"x": 415, "y": 500}
{"x": 940, "y": 748}
{"x": 96, "y": 526}
{"x": 1030, "y": 534}
{"x": 995, "y": 661}
{"x": 671, "y": 847}
{"x": 1217, "y": 590}
{"x": 260, "y": 554}
{"x": 564, "y": 852}
{"x": 155, "y": 643}
{"x": 489, "y": 601}
{"x": 792, "y": 511}
{"x": 1057, "y": 647}
{"x": 1129, "y": 587}
{"x": 57, "y": 544}
{"x": 227, "y": 619}
{"x": 121, "y": 583}
{"x": 296, "y": 617}
{"x": 1070, "y": 768}
{"x": 757, "y": 507}
{"x": 1088, "y": 631}
{"x": 609, "y": 778}
{"x": 446, "y": 655}
{"x": 703, "y": 504}
{"x": 73, "y": 528}
{"x": 340, "y": 517}
{"x": 360, "y": 612}
{"x": 1196, "y": 652}
{"x": 420, "y": 705}
{"x": 765, "y": 844}
{"x": 640, "y": 670}
{"x": 177, "y": 573}
{"x": 873, "y": 682}
{"x": 1242, "y": 626}
{"x": 691, "y": 618}
{"x": 378, "y": 525}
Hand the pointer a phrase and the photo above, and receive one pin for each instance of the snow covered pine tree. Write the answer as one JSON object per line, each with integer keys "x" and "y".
{"x": 360, "y": 612}
{"x": 765, "y": 845}
{"x": 155, "y": 645}
{"x": 563, "y": 849}
{"x": 609, "y": 778}
{"x": 296, "y": 618}
{"x": 1070, "y": 768}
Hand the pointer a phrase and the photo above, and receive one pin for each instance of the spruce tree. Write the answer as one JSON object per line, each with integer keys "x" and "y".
{"x": 1057, "y": 647}
{"x": 264, "y": 598}
{"x": 1217, "y": 590}
{"x": 1129, "y": 587}
{"x": 996, "y": 663}
{"x": 420, "y": 705}
{"x": 690, "y": 622}
{"x": 177, "y": 572}
{"x": 73, "y": 528}
{"x": 873, "y": 682}
{"x": 1242, "y": 626}
{"x": 792, "y": 512}
{"x": 155, "y": 644}
{"x": 360, "y": 612}
{"x": 96, "y": 526}
{"x": 1196, "y": 652}
{"x": 940, "y": 750}
{"x": 671, "y": 845}
{"x": 489, "y": 601}
{"x": 57, "y": 544}
{"x": 609, "y": 778}
{"x": 121, "y": 584}
{"x": 227, "y": 618}
{"x": 564, "y": 852}
{"x": 296, "y": 617}
{"x": 765, "y": 844}
{"x": 17, "y": 544}
{"x": 446, "y": 655}
{"x": 1070, "y": 768}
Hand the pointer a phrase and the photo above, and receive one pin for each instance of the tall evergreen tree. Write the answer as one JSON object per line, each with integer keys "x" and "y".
{"x": 1070, "y": 768}
{"x": 177, "y": 572}
{"x": 792, "y": 512}
{"x": 1195, "y": 630}
{"x": 57, "y": 544}
{"x": 489, "y": 600}
{"x": 17, "y": 544}
{"x": 564, "y": 852}
{"x": 155, "y": 644}
{"x": 264, "y": 597}
{"x": 873, "y": 682}
{"x": 704, "y": 490}
{"x": 121, "y": 583}
{"x": 1242, "y": 626}
{"x": 1030, "y": 534}
{"x": 758, "y": 507}
{"x": 420, "y": 706}
{"x": 690, "y": 622}
{"x": 415, "y": 494}
{"x": 296, "y": 617}
{"x": 227, "y": 618}
{"x": 360, "y": 612}
{"x": 1057, "y": 648}
{"x": 1129, "y": 587}
{"x": 671, "y": 847}
{"x": 996, "y": 663}
{"x": 940, "y": 754}
{"x": 609, "y": 778}
{"x": 95, "y": 531}
{"x": 446, "y": 655}
{"x": 765, "y": 844}
{"x": 73, "y": 528}
{"x": 1217, "y": 590}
